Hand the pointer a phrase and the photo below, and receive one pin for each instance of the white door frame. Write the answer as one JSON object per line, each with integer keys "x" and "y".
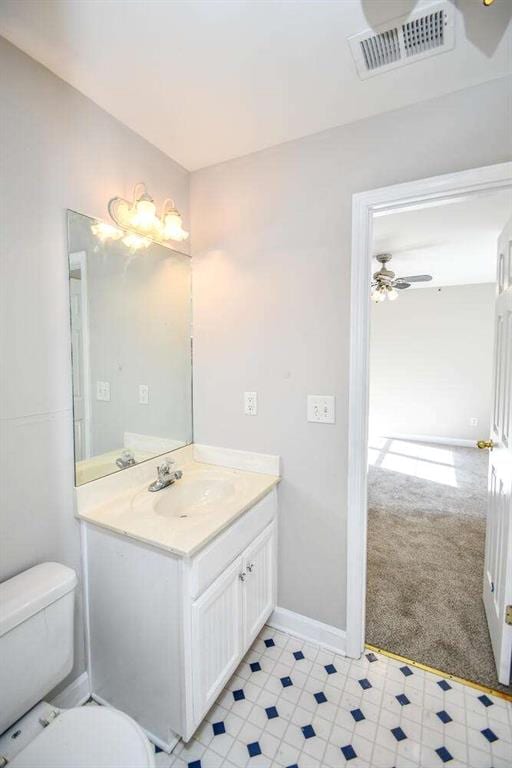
{"x": 78, "y": 260}
{"x": 365, "y": 205}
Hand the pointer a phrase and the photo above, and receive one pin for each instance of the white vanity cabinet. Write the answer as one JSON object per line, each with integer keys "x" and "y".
{"x": 166, "y": 632}
{"x": 258, "y": 565}
{"x": 227, "y": 617}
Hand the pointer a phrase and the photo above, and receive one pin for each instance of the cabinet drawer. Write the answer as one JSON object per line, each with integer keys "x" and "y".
{"x": 216, "y": 556}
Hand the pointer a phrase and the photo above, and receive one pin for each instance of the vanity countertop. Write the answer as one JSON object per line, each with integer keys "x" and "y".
{"x": 184, "y": 517}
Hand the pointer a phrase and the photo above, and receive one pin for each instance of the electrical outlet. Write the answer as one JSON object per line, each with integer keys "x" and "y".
{"x": 250, "y": 403}
{"x": 321, "y": 409}
{"x": 473, "y": 422}
{"x": 103, "y": 391}
{"x": 144, "y": 394}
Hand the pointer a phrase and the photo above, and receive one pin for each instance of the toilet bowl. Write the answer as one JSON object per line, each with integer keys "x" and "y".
{"x": 88, "y": 737}
{"x": 36, "y": 648}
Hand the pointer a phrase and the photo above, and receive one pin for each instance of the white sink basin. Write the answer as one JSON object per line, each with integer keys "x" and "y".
{"x": 190, "y": 497}
{"x": 199, "y": 492}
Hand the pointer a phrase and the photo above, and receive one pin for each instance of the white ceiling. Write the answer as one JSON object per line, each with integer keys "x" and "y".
{"x": 209, "y": 80}
{"x": 454, "y": 242}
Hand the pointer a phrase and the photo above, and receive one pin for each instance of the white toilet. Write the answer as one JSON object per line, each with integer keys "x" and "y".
{"x": 36, "y": 653}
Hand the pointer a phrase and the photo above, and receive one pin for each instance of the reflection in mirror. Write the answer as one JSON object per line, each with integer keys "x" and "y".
{"x": 131, "y": 350}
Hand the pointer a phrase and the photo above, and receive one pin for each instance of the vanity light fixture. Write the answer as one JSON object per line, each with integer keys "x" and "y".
{"x": 134, "y": 241}
{"x": 104, "y": 231}
{"x": 171, "y": 222}
{"x": 140, "y": 220}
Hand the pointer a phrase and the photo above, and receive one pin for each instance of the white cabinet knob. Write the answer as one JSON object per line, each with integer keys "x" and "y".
{"x": 250, "y": 567}
{"x": 242, "y": 576}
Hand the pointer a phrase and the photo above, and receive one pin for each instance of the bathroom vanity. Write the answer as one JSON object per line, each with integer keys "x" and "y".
{"x": 179, "y": 584}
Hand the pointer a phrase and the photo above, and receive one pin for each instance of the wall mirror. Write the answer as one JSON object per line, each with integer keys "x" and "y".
{"x": 130, "y": 315}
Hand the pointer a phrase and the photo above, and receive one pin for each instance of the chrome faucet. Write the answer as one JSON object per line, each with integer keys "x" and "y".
{"x": 166, "y": 477}
{"x": 126, "y": 459}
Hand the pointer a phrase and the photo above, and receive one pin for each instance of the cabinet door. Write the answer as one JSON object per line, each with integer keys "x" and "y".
{"x": 259, "y": 586}
{"x": 217, "y": 637}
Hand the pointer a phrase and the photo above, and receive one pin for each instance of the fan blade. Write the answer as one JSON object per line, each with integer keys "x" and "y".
{"x": 415, "y": 279}
{"x": 401, "y": 286}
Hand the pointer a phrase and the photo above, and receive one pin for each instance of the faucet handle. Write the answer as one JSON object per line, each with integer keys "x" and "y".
{"x": 164, "y": 468}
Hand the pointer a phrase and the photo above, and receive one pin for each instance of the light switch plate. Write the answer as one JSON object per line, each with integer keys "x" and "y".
{"x": 321, "y": 409}
{"x": 144, "y": 394}
{"x": 250, "y": 403}
{"x": 103, "y": 390}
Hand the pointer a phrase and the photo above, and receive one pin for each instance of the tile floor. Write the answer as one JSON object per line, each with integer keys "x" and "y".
{"x": 294, "y": 704}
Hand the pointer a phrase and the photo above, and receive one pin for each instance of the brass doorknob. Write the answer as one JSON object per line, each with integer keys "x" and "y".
{"x": 485, "y": 444}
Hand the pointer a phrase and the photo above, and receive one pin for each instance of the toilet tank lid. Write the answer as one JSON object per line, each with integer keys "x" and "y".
{"x": 31, "y": 591}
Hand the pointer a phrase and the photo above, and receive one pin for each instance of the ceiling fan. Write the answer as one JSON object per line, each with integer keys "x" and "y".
{"x": 385, "y": 284}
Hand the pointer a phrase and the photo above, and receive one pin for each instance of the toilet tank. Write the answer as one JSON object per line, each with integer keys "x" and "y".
{"x": 36, "y": 637}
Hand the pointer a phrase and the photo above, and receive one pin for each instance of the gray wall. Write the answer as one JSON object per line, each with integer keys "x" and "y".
{"x": 431, "y": 362}
{"x": 271, "y": 268}
{"x": 58, "y": 150}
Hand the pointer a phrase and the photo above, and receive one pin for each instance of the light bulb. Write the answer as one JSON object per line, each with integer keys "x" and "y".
{"x": 392, "y": 294}
{"x": 377, "y": 295}
{"x": 106, "y": 231}
{"x": 123, "y": 213}
{"x": 144, "y": 215}
{"x": 134, "y": 242}
{"x": 172, "y": 226}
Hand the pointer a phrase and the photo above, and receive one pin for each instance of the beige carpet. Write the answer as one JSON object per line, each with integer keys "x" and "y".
{"x": 426, "y": 540}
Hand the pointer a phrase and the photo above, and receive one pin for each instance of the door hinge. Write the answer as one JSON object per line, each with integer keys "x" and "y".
{"x": 508, "y": 614}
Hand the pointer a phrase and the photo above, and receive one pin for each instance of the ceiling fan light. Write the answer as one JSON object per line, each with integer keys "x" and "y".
{"x": 378, "y": 295}
{"x": 392, "y": 294}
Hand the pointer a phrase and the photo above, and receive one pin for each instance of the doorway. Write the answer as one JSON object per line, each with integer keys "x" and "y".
{"x": 401, "y": 457}
{"x": 431, "y": 361}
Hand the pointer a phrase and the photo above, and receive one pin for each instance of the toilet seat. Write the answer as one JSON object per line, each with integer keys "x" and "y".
{"x": 88, "y": 737}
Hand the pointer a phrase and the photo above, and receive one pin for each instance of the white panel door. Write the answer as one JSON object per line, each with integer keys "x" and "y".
{"x": 217, "y": 637}
{"x": 259, "y": 584}
{"x": 498, "y": 545}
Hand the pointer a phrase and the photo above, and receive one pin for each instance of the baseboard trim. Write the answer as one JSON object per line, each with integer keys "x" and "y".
{"x": 310, "y": 630}
{"x": 458, "y": 441}
{"x": 163, "y": 745}
{"x": 75, "y": 694}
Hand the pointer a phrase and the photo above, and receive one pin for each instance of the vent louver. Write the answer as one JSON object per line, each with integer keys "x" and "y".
{"x": 424, "y": 33}
{"x": 406, "y": 40}
{"x": 381, "y": 49}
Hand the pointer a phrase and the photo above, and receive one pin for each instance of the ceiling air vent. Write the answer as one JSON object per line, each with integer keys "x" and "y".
{"x": 404, "y": 40}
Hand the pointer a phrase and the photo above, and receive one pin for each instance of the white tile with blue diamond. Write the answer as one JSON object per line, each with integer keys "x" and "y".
{"x": 293, "y": 704}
